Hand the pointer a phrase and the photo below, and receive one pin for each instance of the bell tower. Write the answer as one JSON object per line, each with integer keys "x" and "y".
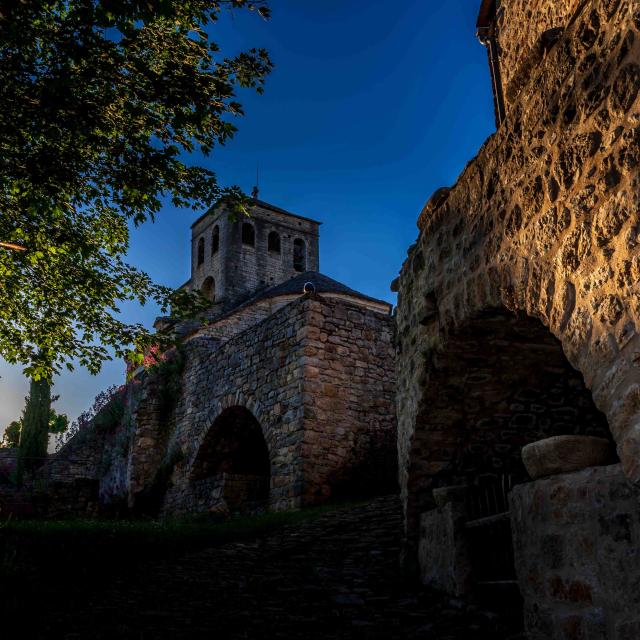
{"x": 234, "y": 257}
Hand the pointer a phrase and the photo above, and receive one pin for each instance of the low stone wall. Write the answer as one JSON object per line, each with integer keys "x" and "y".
{"x": 8, "y": 464}
{"x": 577, "y": 553}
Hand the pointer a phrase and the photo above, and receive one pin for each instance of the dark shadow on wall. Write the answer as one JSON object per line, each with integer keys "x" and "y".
{"x": 234, "y": 460}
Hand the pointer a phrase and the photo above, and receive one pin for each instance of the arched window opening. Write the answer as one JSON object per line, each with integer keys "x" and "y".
{"x": 274, "y": 242}
{"x": 208, "y": 289}
{"x": 299, "y": 255}
{"x": 248, "y": 234}
{"x": 233, "y": 463}
{"x": 215, "y": 240}
{"x": 201, "y": 251}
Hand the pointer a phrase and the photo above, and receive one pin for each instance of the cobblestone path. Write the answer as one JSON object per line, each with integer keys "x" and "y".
{"x": 334, "y": 577}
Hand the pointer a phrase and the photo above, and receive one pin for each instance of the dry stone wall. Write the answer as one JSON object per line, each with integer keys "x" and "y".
{"x": 544, "y": 222}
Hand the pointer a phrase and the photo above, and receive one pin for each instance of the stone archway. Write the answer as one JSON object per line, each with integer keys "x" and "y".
{"x": 543, "y": 222}
{"x": 502, "y": 382}
{"x": 232, "y": 466}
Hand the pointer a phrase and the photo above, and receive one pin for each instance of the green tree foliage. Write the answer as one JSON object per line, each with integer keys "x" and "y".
{"x": 11, "y": 436}
{"x": 57, "y": 425}
{"x": 34, "y": 436}
{"x": 101, "y": 103}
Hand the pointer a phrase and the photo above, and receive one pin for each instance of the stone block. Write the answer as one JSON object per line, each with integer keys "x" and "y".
{"x": 443, "y": 553}
{"x": 577, "y": 553}
{"x": 565, "y": 454}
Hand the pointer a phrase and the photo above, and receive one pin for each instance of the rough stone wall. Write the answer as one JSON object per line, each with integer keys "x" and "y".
{"x": 348, "y": 401}
{"x": 577, "y": 545}
{"x": 521, "y": 23}
{"x": 239, "y": 320}
{"x": 543, "y": 222}
{"x": 318, "y": 377}
{"x": 260, "y": 370}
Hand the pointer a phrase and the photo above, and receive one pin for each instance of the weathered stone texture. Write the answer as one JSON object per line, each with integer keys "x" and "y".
{"x": 348, "y": 401}
{"x": 311, "y": 381}
{"x": 565, "y": 454}
{"x": 543, "y": 223}
{"x": 443, "y": 552}
{"x": 239, "y": 269}
{"x": 577, "y": 546}
{"x": 522, "y": 25}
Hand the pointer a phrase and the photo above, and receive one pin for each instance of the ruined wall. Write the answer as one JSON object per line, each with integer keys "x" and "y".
{"x": 543, "y": 222}
{"x": 349, "y": 443}
{"x": 577, "y": 546}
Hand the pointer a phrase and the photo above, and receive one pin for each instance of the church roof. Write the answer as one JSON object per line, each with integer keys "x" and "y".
{"x": 322, "y": 284}
{"x": 263, "y": 205}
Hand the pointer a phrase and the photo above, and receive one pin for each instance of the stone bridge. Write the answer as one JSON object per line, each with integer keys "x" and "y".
{"x": 519, "y": 303}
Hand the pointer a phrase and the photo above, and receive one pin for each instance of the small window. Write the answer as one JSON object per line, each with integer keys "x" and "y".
{"x": 215, "y": 240}
{"x": 208, "y": 289}
{"x": 200, "y": 251}
{"x": 248, "y": 234}
{"x": 299, "y": 255}
{"x": 274, "y": 242}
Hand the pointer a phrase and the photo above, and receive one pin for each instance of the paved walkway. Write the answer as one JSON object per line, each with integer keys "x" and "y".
{"x": 334, "y": 577}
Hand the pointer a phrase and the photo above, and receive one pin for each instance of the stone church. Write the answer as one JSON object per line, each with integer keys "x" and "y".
{"x": 281, "y": 394}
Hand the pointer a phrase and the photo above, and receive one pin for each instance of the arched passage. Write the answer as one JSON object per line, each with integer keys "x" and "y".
{"x": 500, "y": 381}
{"x": 232, "y": 464}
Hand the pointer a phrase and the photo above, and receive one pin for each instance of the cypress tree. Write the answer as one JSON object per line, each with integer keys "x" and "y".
{"x": 34, "y": 437}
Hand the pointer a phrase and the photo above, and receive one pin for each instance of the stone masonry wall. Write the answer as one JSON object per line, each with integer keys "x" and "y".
{"x": 521, "y": 24}
{"x": 349, "y": 445}
{"x": 577, "y": 546}
{"x": 544, "y": 222}
{"x": 260, "y": 370}
{"x": 318, "y": 377}
{"x": 242, "y": 319}
{"x": 239, "y": 269}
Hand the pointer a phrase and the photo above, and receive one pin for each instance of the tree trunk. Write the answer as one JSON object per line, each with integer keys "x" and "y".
{"x": 34, "y": 438}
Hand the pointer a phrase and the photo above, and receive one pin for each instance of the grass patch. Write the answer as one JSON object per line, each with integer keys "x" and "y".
{"x": 58, "y": 561}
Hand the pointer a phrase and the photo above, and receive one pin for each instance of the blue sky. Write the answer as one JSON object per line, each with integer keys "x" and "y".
{"x": 372, "y": 106}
